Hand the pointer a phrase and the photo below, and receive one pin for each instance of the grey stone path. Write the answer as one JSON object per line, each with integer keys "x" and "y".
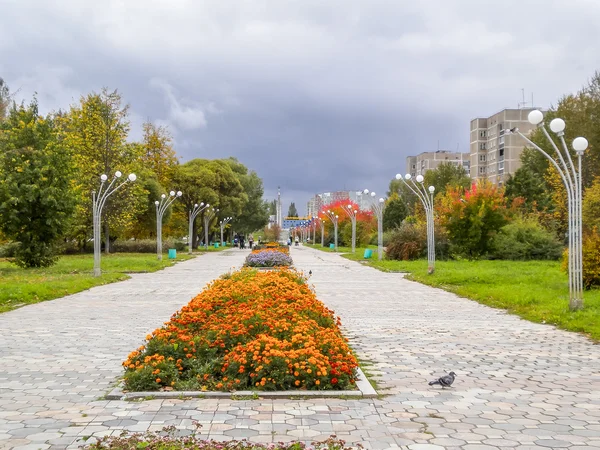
{"x": 519, "y": 386}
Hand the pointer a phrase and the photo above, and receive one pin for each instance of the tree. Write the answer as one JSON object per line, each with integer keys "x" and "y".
{"x": 447, "y": 175}
{"x": 157, "y": 152}
{"x": 210, "y": 181}
{"x": 395, "y": 212}
{"x": 399, "y": 189}
{"x": 530, "y": 187}
{"x": 4, "y": 99}
{"x": 273, "y": 208}
{"x": 292, "y": 211}
{"x": 255, "y": 211}
{"x": 472, "y": 217}
{"x": 96, "y": 130}
{"x": 36, "y": 201}
{"x": 591, "y": 206}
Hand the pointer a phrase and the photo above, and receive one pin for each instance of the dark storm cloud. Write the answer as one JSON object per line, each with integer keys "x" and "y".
{"x": 315, "y": 96}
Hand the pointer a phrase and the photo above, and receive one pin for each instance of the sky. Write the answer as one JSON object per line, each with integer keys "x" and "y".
{"x": 314, "y": 95}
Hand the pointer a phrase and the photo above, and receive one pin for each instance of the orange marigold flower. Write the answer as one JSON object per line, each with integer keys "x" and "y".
{"x": 297, "y": 382}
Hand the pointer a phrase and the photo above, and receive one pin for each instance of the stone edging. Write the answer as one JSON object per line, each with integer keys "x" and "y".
{"x": 365, "y": 390}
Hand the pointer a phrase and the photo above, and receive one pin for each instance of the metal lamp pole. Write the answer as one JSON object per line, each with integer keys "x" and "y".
{"x": 98, "y": 201}
{"x": 571, "y": 177}
{"x": 208, "y": 216}
{"x": 322, "y": 231}
{"x": 314, "y": 229}
{"x": 352, "y": 214}
{"x": 334, "y": 218}
{"x": 222, "y": 224}
{"x": 426, "y": 198}
{"x": 197, "y": 209}
{"x": 378, "y": 207}
{"x": 161, "y": 207}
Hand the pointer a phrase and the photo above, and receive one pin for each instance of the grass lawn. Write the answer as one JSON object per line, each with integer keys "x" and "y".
{"x": 358, "y": 255}
{"x": 535, "y": 290}
{"x": 71, "y": 274}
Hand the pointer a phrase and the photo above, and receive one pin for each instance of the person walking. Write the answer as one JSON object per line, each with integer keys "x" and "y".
{"x": 250, "y": 241}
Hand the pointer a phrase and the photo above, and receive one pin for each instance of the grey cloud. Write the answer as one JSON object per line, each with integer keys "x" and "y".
{"x": 315, "y": 96}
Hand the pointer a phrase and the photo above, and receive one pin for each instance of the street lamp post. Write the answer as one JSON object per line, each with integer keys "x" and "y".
{"x": 98, "y": 201}
{"x": 197, "y": 209}
{"x": 571, "y": 177}
{"x": 426, "y": 198}
{"x": 222, "y": 224}
{"x": 378, "y": 207}
{"x": 208, "y": 216}
{"x": 314, "y": 229}
{"x": 334, "y": 218}
{"x": 351, "y": 212}
{"x": 322, "y": 231}
{"x": 161, "y": 207}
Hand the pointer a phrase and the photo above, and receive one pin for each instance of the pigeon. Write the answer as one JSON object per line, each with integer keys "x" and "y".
{"x": 514, "y": 130}
{"x": 309, "y": 272}
{"x": 445, "y": 381}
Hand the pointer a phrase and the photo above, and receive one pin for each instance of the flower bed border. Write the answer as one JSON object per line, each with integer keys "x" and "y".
{"x": 365, "y": 390}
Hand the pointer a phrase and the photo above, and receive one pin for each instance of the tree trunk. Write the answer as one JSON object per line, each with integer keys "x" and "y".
{"x": 194, "y": 236}
{"x": 107, "y": 239}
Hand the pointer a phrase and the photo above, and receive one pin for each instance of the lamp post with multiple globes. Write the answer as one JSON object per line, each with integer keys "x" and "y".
{"x": 161, "y": 207}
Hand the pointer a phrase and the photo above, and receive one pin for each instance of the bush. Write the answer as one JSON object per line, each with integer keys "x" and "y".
{"x": 591, "y": 259}
{"x": 525, "y": 239}
{"x": 409, "y": 241}
{"x": 9, "y": 250}
{"x": 146, "y": 246}
{"x": 247, "y": 330}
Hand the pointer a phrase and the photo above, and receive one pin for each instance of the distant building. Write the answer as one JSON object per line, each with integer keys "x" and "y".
{"x": 420, "y": 164}
{"x": 495, "y": 154}
{"x": 316, "y": 203}
{"x": 291, "y": 222}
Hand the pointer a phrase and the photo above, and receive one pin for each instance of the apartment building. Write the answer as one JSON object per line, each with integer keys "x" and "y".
{"x": 418, "y": 165}
{"x": 316, "y": 203}
{"x": 495, "y": 153}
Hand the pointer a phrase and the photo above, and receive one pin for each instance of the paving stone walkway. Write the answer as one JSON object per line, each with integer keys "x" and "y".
{"x": 520, "y": 385}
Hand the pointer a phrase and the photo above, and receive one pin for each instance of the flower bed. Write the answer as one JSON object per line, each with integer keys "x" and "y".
{"x": 246, "y": 331}
{"x": 269, "y": 257}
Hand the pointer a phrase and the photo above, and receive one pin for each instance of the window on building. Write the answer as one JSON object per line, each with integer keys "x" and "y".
{"x": 501, "y": 152}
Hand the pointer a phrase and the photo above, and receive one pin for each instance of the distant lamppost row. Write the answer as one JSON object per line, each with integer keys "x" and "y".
{"x": 313, "y": 222}
{"x": 197, "y": 209}
{"x": 161, "y": 207}
{"x": 208, "y": 216}
{"x": 334, "y": 218}
{"x": 378, "y": 207}
{"x": 98, "y": 201}
{"x": 222, "y": 224}
{"x": 426, "y": 199}
{"x": 571, "y": 177}
{"x": 351, "y": 212}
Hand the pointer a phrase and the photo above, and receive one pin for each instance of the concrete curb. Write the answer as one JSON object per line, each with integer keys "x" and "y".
{"x": 365, "y": 390}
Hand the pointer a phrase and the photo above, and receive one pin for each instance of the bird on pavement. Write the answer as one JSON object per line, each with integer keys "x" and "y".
{"x": 445, "y": 381}
{"x": 309, "y": 272}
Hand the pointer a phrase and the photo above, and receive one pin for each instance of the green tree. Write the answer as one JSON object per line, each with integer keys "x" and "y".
{"x": 255, "y": 211}
{"x": 212, "y": 182}
{"x": 4, "y": 99}
{"x": 399, "y": 189}
{"x": 447, "y": 175}
{"x": 395, "y": 212}
{"x": 36, "y": 202}
{"x": 527, "y": 185}
{"x": 292, "y": 211}
{"x": 273, "y": 207}
{"x": 96, "y": 130}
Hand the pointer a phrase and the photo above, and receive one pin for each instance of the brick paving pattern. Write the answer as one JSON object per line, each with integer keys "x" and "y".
{"x": 520, "y": 385}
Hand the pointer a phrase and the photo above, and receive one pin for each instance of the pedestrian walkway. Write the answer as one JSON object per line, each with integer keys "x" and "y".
{"x": 519, "y": 385}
